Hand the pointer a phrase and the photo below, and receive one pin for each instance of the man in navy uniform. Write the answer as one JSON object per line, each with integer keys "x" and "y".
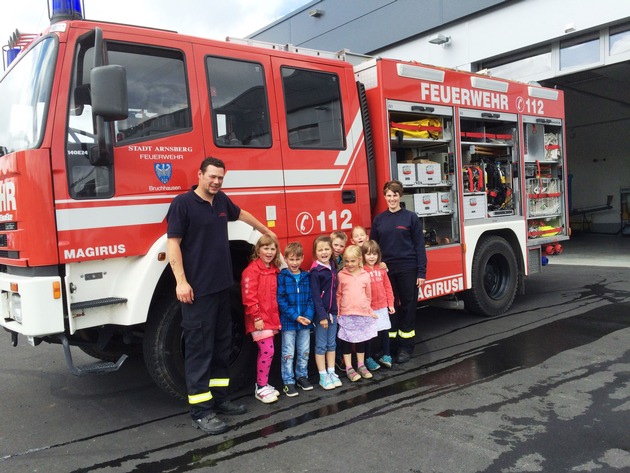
{"x": 199, "y": 255}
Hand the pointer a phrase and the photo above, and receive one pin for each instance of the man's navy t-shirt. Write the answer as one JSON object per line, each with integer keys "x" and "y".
{"x": 205, "y": 246}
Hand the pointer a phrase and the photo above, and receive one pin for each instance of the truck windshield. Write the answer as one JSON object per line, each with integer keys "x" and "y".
{"x": 25, "y": 95}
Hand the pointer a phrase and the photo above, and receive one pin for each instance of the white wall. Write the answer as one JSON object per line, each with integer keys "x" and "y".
{"x": 599, "y": 159}
{"x": 598, "y": 154}
{"x": 516, "y": 26}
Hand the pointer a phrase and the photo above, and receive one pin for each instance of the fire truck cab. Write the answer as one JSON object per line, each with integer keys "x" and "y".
{"x": 104, "y": 124}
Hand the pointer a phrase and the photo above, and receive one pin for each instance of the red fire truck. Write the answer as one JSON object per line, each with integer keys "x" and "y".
{"x": 102, "y": 124}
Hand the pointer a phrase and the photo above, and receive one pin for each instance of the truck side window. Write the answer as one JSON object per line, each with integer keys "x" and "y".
{"x": 240, "y": 115}
{"x": 84, "y": 180}
{"x": 158, "y": 93}
{"x": 159, "y": 105}
{"x": 313, "y": 107}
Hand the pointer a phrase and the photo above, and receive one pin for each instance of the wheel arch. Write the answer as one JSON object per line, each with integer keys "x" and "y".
{"x": 242, "y": 240}
{"x": 496, "y": 273}
{"x": 168, "y": 374}
{"x": 508, "y": 233}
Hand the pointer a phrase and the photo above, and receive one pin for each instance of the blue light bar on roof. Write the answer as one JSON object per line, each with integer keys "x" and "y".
{"x": 66, "y": 10}
{"x": 12, "y": 54}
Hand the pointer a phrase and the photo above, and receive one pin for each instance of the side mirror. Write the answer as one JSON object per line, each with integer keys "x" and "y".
{"x": 108, "y": 86}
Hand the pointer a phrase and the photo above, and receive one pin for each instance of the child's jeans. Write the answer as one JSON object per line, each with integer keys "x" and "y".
{"x": 295, "y": 348}
{"x": 326, "y": 339}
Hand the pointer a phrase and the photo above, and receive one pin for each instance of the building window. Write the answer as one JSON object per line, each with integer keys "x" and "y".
{"x": 619, "y": 40}
{"x": 580, "y": 51}
{"x": 240, "y": 115}
{"x": 313, "y": 106}
{"x": 538, "y": 64}
{"x": 519, "y": 66}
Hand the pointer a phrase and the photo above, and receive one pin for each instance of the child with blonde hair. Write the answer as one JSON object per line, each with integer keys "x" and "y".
{"x": 339, "y": 242}
{"x": 382, "y": 303}
{"x": 357, "y": 320}
{"x": 259, "y": 287}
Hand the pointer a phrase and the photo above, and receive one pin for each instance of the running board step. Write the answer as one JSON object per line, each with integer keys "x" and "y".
{"x": 93, "y": 368}
{"x": 97, "y": 303}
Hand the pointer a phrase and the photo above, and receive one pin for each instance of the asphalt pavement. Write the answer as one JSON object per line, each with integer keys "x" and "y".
{"x": 545, "y": 387}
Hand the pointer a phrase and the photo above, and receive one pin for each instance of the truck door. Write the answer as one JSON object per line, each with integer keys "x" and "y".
{"x": 121, "y": 203}
{"x": 323, "y": 155}
{"x": 241, "y": 129}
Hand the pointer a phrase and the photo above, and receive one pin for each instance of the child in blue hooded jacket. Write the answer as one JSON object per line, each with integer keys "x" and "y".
{"x": 296, "y": 316}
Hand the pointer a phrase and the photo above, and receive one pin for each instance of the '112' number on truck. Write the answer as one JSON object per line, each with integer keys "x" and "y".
{"x": 345, "y": 216}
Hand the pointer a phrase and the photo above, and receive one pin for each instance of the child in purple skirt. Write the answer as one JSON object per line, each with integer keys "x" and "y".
{"x": 357, "y": 320}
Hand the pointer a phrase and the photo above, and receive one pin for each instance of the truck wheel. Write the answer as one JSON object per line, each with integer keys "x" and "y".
{"x": 164, "y": 348}
{"x": 243, "y": 355}
{"x": 494, "y": 278}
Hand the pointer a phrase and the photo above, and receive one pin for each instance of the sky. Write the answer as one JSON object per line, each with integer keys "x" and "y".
{"x": 214, "y": 19}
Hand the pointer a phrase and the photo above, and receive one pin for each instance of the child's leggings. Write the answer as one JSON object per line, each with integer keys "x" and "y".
{"x": 383, "y": 337}
{"x": 346, "y": 347}
{"x": 263, "y": 362}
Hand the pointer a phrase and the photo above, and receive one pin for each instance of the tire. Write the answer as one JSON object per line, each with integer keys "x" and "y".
{"x": 243, "y": 355}
{"x": 494, "y": 278}
{"x": 164, "y": 347}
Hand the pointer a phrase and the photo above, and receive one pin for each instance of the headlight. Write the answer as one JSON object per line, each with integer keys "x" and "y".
{"x": 15, "y": 307}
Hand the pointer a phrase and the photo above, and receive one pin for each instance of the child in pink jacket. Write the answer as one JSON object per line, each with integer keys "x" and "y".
{"x": 357, "y": 320}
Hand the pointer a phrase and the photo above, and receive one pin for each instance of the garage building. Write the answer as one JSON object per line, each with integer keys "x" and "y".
{"x": 578, "y": 46}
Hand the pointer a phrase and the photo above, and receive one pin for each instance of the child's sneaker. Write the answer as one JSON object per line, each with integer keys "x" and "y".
{"x": 353, "y": 375}
{"x": 273, "y": 390}
{"x": 304, "y": 384}
{"x": 325, "y": 382}
{"x": 364, "y": 372}
{"x": 290, "y": 390}
{"x": 386, "y": 361}
{"x": 334, "y": 377}
{"x": 265, "y": 394}
{"x": 371, "y": 364}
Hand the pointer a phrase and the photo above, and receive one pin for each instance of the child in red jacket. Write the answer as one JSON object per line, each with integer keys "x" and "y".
{"x": 259, "y": 287}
